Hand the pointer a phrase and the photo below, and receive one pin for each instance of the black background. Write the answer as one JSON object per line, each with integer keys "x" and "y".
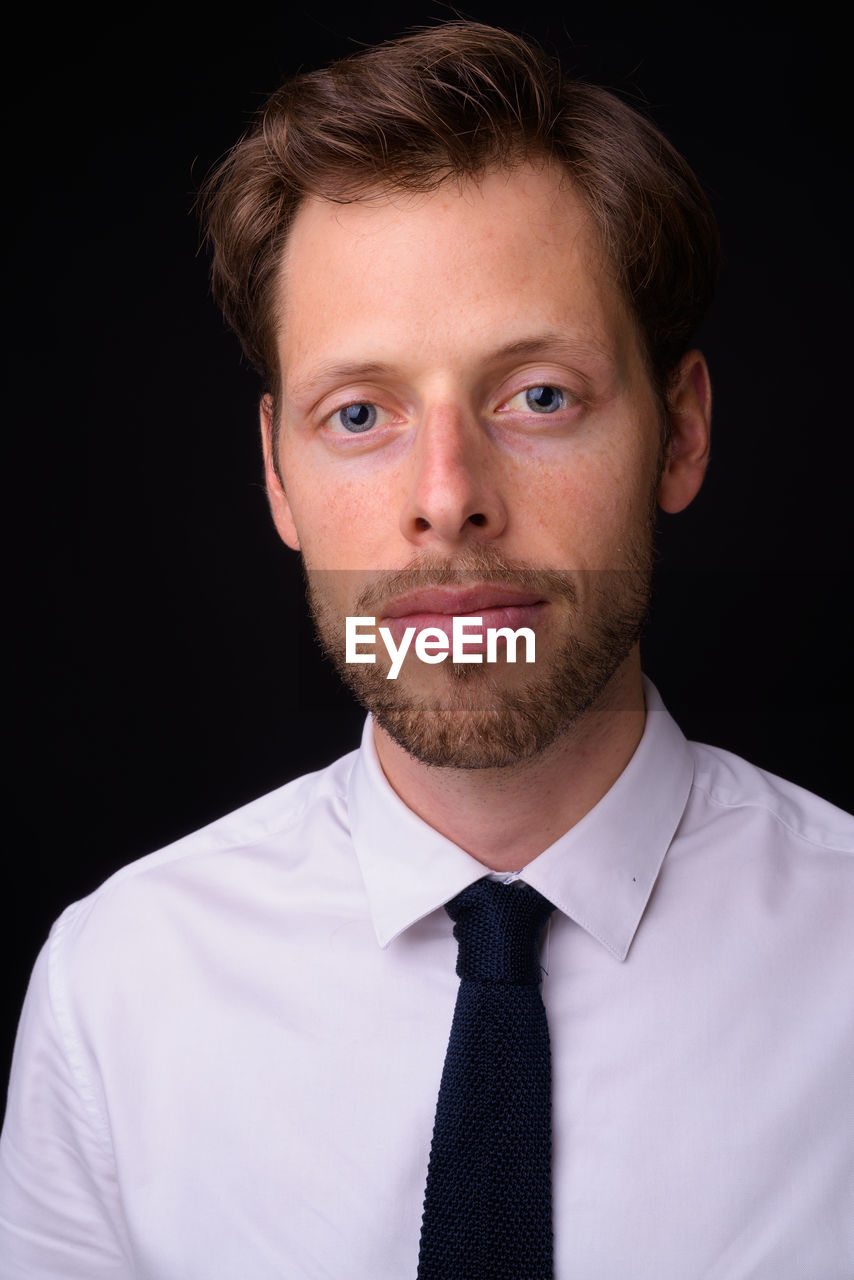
{"x": 165, "y": 671}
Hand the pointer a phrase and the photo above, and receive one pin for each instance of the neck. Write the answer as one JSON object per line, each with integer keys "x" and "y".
{"x": 506, "y": 817}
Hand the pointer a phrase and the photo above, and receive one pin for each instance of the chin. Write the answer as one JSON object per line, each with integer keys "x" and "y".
{"x": 470, "y": 718}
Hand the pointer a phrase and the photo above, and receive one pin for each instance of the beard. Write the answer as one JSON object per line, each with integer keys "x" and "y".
{"x": 480, "y": 717}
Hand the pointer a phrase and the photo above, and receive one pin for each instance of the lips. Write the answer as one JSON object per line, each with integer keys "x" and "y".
{"x": 457, "y": 601}
{"x": 436, "y": 607}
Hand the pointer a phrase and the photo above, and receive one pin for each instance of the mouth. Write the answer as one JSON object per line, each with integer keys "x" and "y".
{"x": 436, "y": 608}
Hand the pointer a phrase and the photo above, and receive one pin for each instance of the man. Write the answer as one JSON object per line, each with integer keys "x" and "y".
{"x": 470, "y": 287}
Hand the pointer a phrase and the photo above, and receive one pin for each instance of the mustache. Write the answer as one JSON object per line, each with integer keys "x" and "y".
{"x": 474, "y": 564}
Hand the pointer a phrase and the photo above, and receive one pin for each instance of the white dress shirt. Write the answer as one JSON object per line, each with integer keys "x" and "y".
{"x": 229, "y": 1057}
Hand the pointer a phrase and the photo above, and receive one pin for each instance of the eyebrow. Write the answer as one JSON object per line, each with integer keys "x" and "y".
{"x": 542, "y": 344}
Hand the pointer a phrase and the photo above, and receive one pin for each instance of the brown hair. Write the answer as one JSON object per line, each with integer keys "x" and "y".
{"x": 451, "y": 101}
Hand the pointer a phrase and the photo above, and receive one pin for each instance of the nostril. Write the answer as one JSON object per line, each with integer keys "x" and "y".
{"x": 478, "y": 519}
{"x": 421, "y": 524}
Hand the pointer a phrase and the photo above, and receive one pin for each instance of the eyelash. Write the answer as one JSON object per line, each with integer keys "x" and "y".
{"x": 568, "y": 397}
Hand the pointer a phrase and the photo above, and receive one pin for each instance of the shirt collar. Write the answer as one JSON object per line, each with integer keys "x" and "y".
{"x": 600, "y": 873}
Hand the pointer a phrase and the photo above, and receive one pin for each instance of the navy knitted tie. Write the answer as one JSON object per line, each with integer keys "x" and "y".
{"x": 488, "y": 1203}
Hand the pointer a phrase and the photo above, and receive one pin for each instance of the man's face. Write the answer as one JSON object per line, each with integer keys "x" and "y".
{"x": 467, "y": 426}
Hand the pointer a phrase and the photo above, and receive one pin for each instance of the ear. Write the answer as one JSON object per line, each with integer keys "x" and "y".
{"x": 689, "y": 410}
{"x": 280, "y": 508}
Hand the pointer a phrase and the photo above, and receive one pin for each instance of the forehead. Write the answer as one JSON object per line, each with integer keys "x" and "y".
{"x": 447, "y": 274}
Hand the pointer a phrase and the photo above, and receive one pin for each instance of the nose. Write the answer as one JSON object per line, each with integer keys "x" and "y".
{"x": 454, "y": 496}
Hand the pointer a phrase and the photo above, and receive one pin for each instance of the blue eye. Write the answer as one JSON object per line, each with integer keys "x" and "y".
{"x": 357, "y": 417}
{"x": 544, "y": 399}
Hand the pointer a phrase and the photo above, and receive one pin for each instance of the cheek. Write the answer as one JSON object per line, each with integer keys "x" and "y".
{"x": 329, "y": 526}
{"x": 591, "y": 508}
{"x": 340, "y": 525}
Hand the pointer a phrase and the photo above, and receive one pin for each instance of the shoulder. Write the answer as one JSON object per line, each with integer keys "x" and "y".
{"x": 235, "y": 861}
{"x": 740, "y": 794}
{"x": 771, "y": 862}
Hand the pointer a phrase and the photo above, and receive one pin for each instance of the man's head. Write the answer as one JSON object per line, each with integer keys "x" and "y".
{"x": 470, "y": 286}
{"x": 449, "y": 103}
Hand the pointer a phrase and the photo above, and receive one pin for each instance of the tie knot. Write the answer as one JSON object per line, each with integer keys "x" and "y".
{"x": 498, "y": 928}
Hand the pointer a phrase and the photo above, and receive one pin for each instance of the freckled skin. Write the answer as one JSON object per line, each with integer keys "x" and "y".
{"x": 432, "y": 284}
{"x": 430, "y": 290}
